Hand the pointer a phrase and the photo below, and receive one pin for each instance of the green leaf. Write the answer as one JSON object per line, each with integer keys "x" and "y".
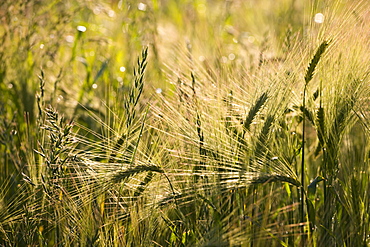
{"x": 311, "y": 211}
{"x": 183, "y": 240}
{"x": 287, "y": 189}
{"x": 101, "y": 70}
{"x": 312, "y": 187}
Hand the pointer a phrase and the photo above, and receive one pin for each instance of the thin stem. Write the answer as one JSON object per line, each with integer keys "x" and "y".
{"x": 303, "y": 165}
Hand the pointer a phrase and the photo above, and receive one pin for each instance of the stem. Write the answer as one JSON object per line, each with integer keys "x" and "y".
{"x": 302, "y": 164}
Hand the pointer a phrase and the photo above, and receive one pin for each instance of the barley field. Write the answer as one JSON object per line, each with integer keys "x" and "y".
{"x": 185, "y": 123}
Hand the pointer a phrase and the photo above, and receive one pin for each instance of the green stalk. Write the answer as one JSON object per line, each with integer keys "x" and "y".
{"x": 303, "y": 165}
{"x": 308, "y": 77}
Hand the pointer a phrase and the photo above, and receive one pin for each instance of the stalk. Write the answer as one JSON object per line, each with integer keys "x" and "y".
{"x": 303, "y": 165}
{"x": 308, "y": 77}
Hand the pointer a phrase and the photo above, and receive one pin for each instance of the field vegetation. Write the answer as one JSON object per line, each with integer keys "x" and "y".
{"x": 185, "y": 123}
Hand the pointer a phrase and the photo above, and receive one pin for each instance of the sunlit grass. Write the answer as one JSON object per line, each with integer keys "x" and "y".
{"x": 179, "y": 123}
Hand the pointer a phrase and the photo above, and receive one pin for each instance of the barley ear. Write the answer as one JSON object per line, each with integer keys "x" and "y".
{"x": 122, "y": 175}
{"x": 270, "y": 178}
{"x": 254, "y": 110}
{"x": 315, "y": 60}
{"x": 130, "y": 102}
{"x": 263, "y": 136}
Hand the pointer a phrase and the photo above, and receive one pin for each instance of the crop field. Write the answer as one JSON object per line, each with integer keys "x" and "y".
{"x": 185, "y": 123}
